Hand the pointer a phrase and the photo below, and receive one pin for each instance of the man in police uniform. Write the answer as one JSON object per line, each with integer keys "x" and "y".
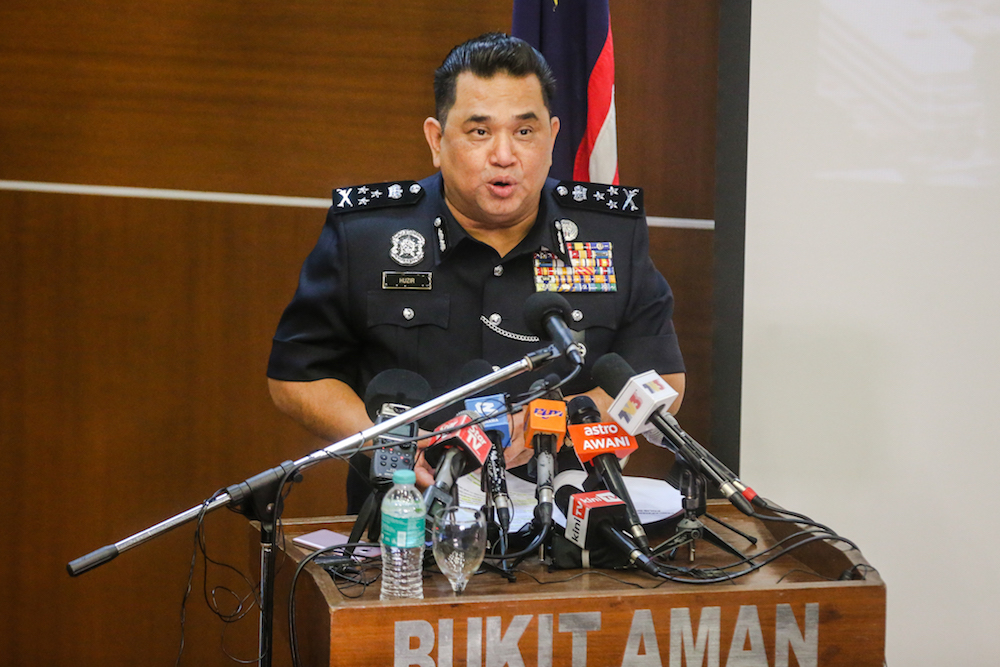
{"x": 430, "y": 275}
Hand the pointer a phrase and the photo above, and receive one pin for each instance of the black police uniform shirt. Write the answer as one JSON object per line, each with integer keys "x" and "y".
{"x": 395, "y": 282}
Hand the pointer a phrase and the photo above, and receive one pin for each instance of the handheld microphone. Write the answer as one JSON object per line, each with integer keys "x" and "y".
{"x": 592, "y": 519}
{"x": 599, "y": 446}
{"x": 544, "y": 429}
{"x": 498, "y": 431}
{"x": 546, "y": 314}
{"x": 643, "y": 399}
{"x": 390, "y": 393}
{"x": 453, "y": 454}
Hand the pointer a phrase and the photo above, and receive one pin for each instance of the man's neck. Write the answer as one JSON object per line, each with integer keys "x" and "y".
{"x": 502, "y": 238}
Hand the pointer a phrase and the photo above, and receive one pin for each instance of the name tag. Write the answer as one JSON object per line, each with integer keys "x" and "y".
{"x": 406, "y": 280}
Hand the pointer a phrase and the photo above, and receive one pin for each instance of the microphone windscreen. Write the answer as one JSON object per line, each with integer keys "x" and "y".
{"x": 395, "y": 385}
{"x": 470, "y": 370}
{"x": 582, "y": 409}
{"x": 473, "y": 370}
{"x": 612, "y": 373}
{"x": 539, "y": 306}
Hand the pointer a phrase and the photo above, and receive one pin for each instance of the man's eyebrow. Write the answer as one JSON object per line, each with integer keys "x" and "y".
{"x": 528, "y": 115}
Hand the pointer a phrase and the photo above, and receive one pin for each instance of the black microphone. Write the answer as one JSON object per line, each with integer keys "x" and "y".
{"x": 458, "y": 448}
{"x": 494, "y": 479}
{"x": 599, "y": 446}
{"x": 592, "y": 520}
{"x": 642, "y": 399}
{"x": 391, "y": 393}
{"x": 545, "y": 314}
{"x": 395, "y": 385}
{"x": 544, "y": 430}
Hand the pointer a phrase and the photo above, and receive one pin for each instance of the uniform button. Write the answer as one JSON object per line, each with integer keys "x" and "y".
{"x": 408, "y": 313}
{"x": 576, "y": 315}
{"x": 498, "y": 271}
{"x": 496, "y": 319}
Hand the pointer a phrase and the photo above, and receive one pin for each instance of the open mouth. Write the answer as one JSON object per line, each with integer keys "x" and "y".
{"x": 501, "y": 186}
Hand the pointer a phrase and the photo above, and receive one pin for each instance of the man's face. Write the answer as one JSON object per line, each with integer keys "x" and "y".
{"x": 495, "y": 149}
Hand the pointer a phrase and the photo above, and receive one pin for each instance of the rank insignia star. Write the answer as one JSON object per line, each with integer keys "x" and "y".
{"x": 369, "y": 196}
{"x": 614, "y": 199}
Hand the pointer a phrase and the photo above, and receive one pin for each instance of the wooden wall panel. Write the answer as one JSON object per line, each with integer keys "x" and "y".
{"x": 135, "y": 339}
{"x": 134, "y": 333}
{"x": 275, "y": 98}
{"x": 666, "y": 57}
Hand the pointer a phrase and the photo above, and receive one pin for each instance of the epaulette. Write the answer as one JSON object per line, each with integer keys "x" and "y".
{"x": 617, "y": 199}
{"x": 377, "y": 195}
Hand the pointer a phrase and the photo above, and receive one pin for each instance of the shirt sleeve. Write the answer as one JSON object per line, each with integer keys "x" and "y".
{"x": 646, "y": 338}
{"x": 314, "y": 339}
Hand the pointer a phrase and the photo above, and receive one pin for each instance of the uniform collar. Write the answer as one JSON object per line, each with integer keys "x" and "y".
{"x": 544, "y": 235}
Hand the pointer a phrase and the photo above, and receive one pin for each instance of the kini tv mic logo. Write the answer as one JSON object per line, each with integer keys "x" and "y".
{"x": 641, "y": 396}
{"x": 590, "y": 440}
{"x": 588, "y": 509}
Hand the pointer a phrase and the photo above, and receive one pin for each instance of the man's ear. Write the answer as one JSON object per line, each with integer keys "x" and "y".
{"x": 554, "y": 125}
{"x": 432, "y": 133}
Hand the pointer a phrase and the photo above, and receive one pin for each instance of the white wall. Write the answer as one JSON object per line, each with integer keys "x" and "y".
{"x": 871, "y": 383}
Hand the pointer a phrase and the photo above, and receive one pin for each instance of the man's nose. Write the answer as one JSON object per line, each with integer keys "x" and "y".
{"x": 503, "y": 150}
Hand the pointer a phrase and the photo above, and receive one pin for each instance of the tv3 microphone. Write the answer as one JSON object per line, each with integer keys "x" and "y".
{"x": 641, "y": 399}
{"x": 457, "y": 448}
{"x": 599, "y": 446}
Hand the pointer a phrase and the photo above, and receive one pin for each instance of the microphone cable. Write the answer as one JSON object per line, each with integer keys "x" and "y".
{"x": 292, "y": 631}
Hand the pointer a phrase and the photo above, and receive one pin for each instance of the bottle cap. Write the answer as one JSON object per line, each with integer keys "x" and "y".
{"x": 404, "y": 477}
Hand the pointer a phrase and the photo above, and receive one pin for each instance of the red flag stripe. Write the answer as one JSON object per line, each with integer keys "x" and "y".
{"x": 600, "y": 94}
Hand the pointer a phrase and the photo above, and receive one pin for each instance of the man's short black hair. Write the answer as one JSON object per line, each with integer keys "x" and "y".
{"x": 486, "y": 56}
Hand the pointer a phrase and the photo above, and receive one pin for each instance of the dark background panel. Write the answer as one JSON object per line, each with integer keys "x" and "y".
{"x": 666, "y": 59}
{"x": 279, "y": 98}
{"x": 135, "y": 346}
{"x": 134, "y": 332}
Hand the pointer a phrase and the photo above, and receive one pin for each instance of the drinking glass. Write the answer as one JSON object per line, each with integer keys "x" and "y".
{"x": 459, "y": 539}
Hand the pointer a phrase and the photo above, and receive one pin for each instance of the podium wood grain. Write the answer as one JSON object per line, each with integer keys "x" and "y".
{"x": 745, "y": 621}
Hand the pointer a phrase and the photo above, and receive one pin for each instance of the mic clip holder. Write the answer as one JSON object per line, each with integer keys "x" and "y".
{"x": 689, "y": 527}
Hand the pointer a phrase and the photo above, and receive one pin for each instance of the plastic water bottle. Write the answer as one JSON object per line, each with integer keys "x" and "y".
{"x": 402, "y": 539}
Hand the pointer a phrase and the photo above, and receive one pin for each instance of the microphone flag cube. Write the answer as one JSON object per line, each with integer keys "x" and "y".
{"x": 545, "y": 416}
{"x": 491, "y": 405}
{"x": 587, "y": 511}
{"x": 590, "y": 440}
{"x": 641, "y": 396}
{"x": 473, "y": 442}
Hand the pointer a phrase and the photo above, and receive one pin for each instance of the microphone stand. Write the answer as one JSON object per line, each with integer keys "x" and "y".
{"x": 258, "y": 496}
{"x": 689, "y": 528}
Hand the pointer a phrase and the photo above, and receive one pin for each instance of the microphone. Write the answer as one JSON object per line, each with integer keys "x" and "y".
{"x": 498, "y": 431}
{"x": 545, "y": 314}
{"x": 390, "y": 393}
{"x": 643, "y": 399}
{"x": 544, "y": 429}
{"x": 599, "y": 446}
{"x": 592, "y": 519}
{"x": 453, "y": 454}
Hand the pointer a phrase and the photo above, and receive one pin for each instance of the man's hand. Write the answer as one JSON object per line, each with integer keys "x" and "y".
{"x": 424, "y": 473}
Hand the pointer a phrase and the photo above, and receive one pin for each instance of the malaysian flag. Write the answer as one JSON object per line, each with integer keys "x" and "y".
{"x": 575, "y": 38}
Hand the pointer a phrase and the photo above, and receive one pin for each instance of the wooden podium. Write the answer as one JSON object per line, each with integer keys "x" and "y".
{"x": 822, "y": 605}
